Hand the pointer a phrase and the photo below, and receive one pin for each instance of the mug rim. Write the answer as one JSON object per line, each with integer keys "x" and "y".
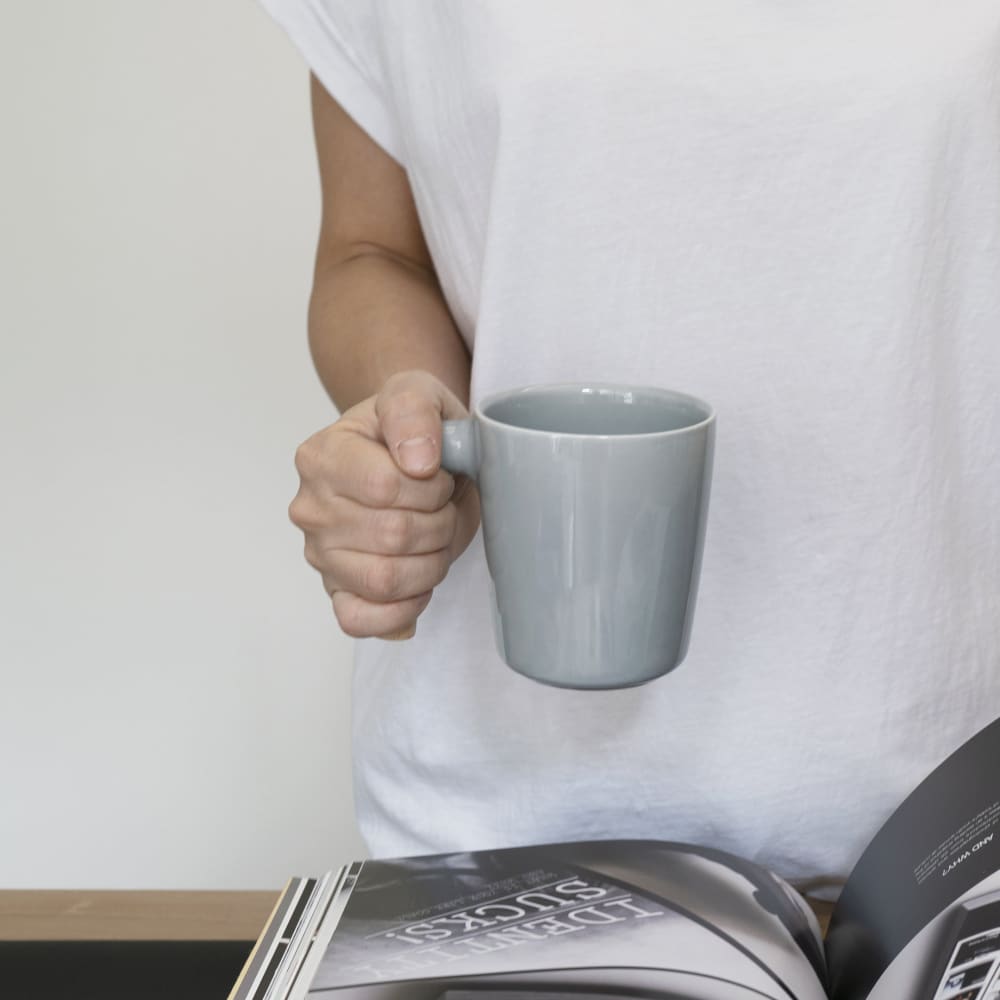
{"x": 506, "y": 394}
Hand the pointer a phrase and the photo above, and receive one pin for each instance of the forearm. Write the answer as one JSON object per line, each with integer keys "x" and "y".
{"x": 372, "y": 315}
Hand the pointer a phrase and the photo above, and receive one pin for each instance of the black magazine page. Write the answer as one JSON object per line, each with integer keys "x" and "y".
{"x": 619, "y": 918}
{"x": 919, "y": 917}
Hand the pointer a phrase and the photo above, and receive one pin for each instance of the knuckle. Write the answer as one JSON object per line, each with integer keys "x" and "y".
{"x": 442, "y": 563}
{"x": 382, "y": 486}
{"x": 392, "y": 383}
{"x": 350, "y": 617}
{"x": 306, "y": 459}
{"x": 350, "y": 630}
{"x": 382, "y": 579}
{"x": 409, "y": 400}
{"x": 313, "y": 555}
{"x": 407, "y": 393}
{"x": 320, "y": 456}
{"x": 395, "y": 529}
{"x": 307, "y": 514}
{"x": 298, "y": 511}
{"x": 400, "y": 382}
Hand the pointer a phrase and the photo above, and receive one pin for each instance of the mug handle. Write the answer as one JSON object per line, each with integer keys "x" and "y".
{"x": 460, "y": 447}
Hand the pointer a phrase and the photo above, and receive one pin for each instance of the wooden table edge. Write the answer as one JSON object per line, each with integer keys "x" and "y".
{"x": 151, "y": 915}
{"x": 134, "y": 915}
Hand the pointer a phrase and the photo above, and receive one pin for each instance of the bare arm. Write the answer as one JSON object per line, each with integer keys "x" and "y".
{"x": 376, "y": 306}
{"x": 382, "y": 521}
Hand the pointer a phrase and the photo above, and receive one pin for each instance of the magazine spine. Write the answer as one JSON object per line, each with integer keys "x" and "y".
{"x": 328, "y": 923}
{"x": 301, "y": 936}
{"x": 264, "y": 946}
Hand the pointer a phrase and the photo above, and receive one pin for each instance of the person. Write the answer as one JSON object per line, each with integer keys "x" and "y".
{"x": 790, "y": 211}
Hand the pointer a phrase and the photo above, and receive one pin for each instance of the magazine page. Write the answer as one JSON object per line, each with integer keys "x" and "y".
{"x": 607, "y": 916}
{"x": 919, "y": 916}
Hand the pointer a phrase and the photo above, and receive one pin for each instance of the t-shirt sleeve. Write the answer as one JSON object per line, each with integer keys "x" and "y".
{"x": 339, "y": 40}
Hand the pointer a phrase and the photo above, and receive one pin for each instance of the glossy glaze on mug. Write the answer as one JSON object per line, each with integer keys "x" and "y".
{"x": 594, "y": 504}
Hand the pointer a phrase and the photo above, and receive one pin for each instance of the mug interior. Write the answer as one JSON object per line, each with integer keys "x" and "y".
{"x": 596, "y": 409}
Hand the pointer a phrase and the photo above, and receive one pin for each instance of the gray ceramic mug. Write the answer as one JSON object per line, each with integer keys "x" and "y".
{"x": 594, "y": 501}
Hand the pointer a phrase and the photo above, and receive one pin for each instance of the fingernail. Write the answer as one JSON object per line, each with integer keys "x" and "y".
{"x": 417, "y": 454}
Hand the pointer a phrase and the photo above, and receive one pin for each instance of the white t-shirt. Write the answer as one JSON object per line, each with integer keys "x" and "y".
{"x": 792, "y": 211}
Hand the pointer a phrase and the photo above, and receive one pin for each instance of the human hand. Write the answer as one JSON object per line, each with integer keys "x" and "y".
{"x": 383, "y": 522}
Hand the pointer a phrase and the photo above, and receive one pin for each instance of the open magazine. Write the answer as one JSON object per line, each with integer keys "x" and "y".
{"x": 919, "y": 917}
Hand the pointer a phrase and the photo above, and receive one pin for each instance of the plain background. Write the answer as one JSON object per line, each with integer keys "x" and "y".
{"x": 173, "y": 708}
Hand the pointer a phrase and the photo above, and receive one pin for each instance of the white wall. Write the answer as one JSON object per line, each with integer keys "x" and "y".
{"x": 172, "y": 684}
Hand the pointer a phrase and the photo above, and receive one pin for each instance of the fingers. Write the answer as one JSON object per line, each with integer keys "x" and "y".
{"x": 375, "y": 506}
{"x": 390, "y": 531}
{"x": 383, "y": 579}
{"x": 381, "y": 596}
{"x": 410, "y": 409}
{"x": 334, "y": 464}
{"x": 360, "y": 618}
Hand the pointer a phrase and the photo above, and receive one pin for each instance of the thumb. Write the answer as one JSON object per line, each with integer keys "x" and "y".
{"x": 410, "y": 408}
